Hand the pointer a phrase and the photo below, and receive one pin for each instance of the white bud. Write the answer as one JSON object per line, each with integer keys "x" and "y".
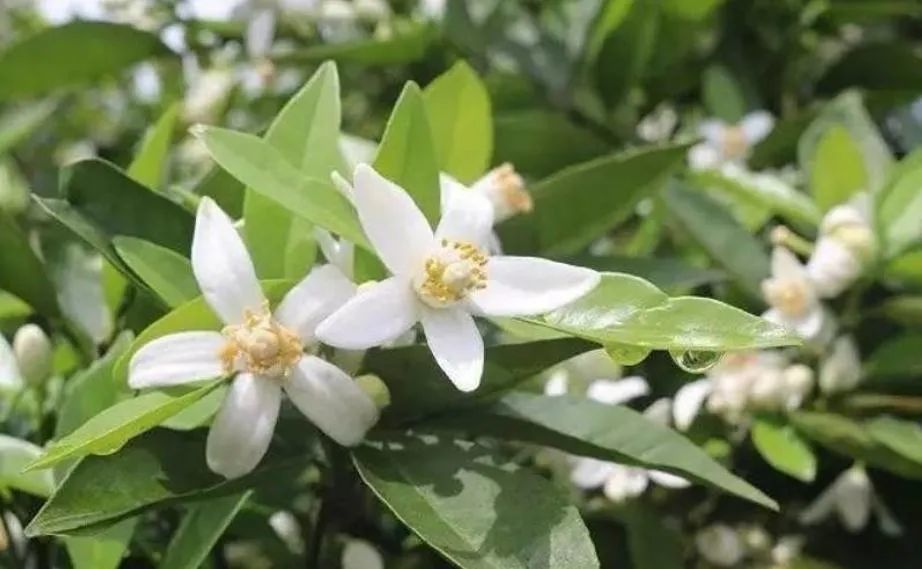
{"x": 841, "y": 370}
{"x": 33, "y": 353}
{"x": 798, "y": 382}
{"x": 376, "y": 389}
{"x": 359, "y": 554}
{"x": 286, "y": 526}
{"x": 720, "y": 545}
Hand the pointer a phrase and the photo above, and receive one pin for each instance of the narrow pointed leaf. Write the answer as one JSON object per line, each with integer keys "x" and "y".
{"x": 165, "y": 271}
{"x": 150, "y": 162}
{"x": 21, "y": 271}
{"x": 199, "y": 531}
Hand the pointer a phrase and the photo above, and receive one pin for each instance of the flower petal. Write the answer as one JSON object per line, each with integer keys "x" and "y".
{"x": 618, "y": 391}
{"x": 524, "y": 286}
{"x": 625, "y": 482}
{"x": 756, "y": 126}
{"x": 456, "y": 344}
{"x": 243, "y": 427}
{"x": 392, "y": 221}
{"x": 222, "y": 265}
{"x": 338, "y": 252}
{"x": 590, "y": 473}
{"x": 466, "y": 216}
{"x": 688, "y": 401}
{"x": 377, "y": 314}
{"x": 712, "y": 130}
{"x": 703, "y": 156}
{"x": 10, "y": 378}
{"x": 786, "y": 265}
{"x": 667, "y": 480}
{"x": 331, "y": 400}
{"x": 175, "y": 359}
{"x": 318, "y": 295}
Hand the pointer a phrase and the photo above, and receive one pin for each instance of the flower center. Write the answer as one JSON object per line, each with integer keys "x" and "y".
{"x": 260, "y": 345}
{"x": 734, "y": 144}
{"x": 452, "y": 272}
{"x": 787, "y": 295}
{"x": 506, "y": 190}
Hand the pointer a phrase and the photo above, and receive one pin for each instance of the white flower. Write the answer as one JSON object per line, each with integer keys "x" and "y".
{"x": 841, "y": 369}
{"x": 10, "y": 377}
{"x": 502, "y": 187}
{"x": 845, "y": 246}
{"x": 792, "y": 297}
{"x": 851, "y": 497}
{"x": 729, "y": 143}
{"x": 207, "y": 94}
{"x": 441, "y": 278}
{"x": 720, "y": 545}
{"x": 577, "y": 374}
{"x": 264, "y": 351}
{"x": 33, "y": 353}
{"x": 360, "y": 554}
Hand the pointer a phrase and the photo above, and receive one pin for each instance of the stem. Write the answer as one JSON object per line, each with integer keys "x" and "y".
{"x": 336, "y": 473}
{"x": 318, "y": 531}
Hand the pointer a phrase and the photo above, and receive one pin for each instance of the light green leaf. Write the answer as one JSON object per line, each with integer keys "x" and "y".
{"x": 722, "y": 95}
{"x": 20, "y": 122}
{"x": 15, "y": 454}
{"x": 165, "y": 271}
{"x": 109, "y": 430}
{"x": 21, "y": 271}
{"x": 900, "y": 207}
{"x": 406, "y": 155}
{"x": 724, "y": 239}
{"x": 576, "y": 205}
{"x": 588, "y": 428}
{"x": 407, "y": 44}
{"x": 264, "y": 170}
{"x": 765, "y": 191}
{"x": 306, "y": 133}
{"x": 474, "y": 507}
{"x": 159, "y": 468}
{"x": 104, "y": 550}
{"x": 628, "y": 310}
{"x": 201, "y": 527}
{"x": 71, "y": 55}
{"x": 150, "y": 162}
{"x": 783, "y": 448}
{"x": 460, "y": 116}
{"x": 837, "y": 170}
{"x": 900, "y": 436}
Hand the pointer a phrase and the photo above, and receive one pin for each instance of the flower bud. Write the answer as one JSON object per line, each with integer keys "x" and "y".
{"x": 375, "y": 389}
{"x": 359, "y": 554}
{"x": 720, "y": 545}
{"x": 846, "y": 244}
{"x": 32, "y": 349}
{"x": 841, "y": 370}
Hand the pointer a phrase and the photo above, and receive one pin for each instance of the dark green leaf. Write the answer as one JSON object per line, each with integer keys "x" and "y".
{"x": 20, "y": 122}
{"x": 897, "y": 357}
{"x": 652, "y": 543}
{"x": 900, "y": 436}
{"x": 201, "y": 527}
{"x": 408, "y": 45}
{"x": 21, "y": 271}
{"x": 166, "y": 272}
{"x": 722, "y": 95}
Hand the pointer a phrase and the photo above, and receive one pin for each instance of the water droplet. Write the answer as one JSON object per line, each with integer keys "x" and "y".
{"x": 695, "y": 361}
{"x": 627, "y": 355}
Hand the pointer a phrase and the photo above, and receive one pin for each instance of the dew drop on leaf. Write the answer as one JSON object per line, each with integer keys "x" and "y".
{"x": 627, "y": 355}
{"x": 695, "y": 361}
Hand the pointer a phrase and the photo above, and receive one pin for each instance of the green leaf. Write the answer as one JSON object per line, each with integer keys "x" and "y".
{"x": 844, "y": 436}
{"x": 71, "y": 55}
{"x": 627, "y": 52}
{"x": 652, "y": 543}
{"x": 193, "y": 315}
{"x": 900, "y": 207}
{"x": 902, "y": 437}
{"x": 15, "y": 454}
{"x": 667, "y": 273}
{"x": 406, "y": 155}
{"x": 21, "y": 271}
{"x": 838, "y": 170}
{"x": 722, "y": 95}
{"x": 474, "y": 507}
{"x": 166, "y": 272}
{"x": 539, "y": 143}
{"x": 407, "y": 44}
{"x": 201, "y": 527}
{"x": 628, "y": 310}
{"x": 109, "y": 430}
{"x": 459, "y": 113}
{"x": 104, "y": 550}
{"x": 576, "y": 205}
{"x": 419, "y": 387}
{"x": 18, "y": 123}
{"x": 588, "y": 428}
{"x": 783, "y": 448}
{"x": 264, "y": 170}
{"x": 306, "y": 133}
{"x": 150, "y": 162}
{"x": 861, "y": 66}
{"x": 724, "y": 239}
{"x": 159, "y": 468}
{"x": 897, "y": 357}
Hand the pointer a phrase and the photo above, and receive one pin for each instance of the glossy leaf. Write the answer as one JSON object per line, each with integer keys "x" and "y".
{"x": 838, "y": 170}
{"x": 151, "y": 160}
{"x": 305, "y": 132}
{"x": 21, "y": 271}
{"x": 264, "y": 170}
{"x": 406, "y": 155}
{"x": 15, "y": 454}
{"x": 783, "y": 448}
{"x": 459, "y": 112}
{"x": 199, "y": 531}
{"x": 159, "y": 468}
{"x": 576, "y": 205}
{"x": 73, "y": 54}
{"x": 166, "y": 272}
{"x": 628, "y": 310}
{"x": 588, "y": 428}
{"x": 419, "y": 388}
{"x": 109, "y": 430}
{"x": 519, "y": 519}
{"x": 725, "y": 240}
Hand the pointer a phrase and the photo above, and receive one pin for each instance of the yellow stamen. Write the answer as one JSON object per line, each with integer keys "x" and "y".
{"x": 260, "y": 345}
